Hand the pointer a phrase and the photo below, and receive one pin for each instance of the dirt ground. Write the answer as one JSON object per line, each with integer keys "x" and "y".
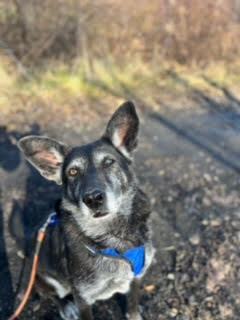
{"x": 188, "y": 163}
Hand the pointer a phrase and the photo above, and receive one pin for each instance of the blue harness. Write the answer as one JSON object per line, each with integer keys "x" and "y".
{"x": 135, "y": 256}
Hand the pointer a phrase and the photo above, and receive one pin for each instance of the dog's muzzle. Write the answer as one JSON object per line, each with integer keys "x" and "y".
{"x": 95, "y": 201}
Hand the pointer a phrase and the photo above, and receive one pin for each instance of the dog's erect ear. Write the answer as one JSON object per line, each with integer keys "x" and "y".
{"x": 122, "y": 129}
{"x": 45, "y": 154}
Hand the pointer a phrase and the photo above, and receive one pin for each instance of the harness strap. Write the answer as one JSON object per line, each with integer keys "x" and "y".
{"x": 134, "y": 256}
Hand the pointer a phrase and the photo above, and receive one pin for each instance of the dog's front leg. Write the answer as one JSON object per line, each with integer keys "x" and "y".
{"x": 86, "y": 312}
{"x": 133, "y": 301}
{"x": 85, "y": 309}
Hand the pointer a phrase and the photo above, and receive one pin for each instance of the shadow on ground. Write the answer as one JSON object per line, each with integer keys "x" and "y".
{"x": 26, "y": 211}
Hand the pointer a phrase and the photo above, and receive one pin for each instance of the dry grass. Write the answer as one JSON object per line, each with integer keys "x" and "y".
{"x": 61, "y": 88}
{"x": 93, "y": 55}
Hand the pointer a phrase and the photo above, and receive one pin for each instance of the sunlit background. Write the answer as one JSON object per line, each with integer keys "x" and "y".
{"x": 61, "y": 53}
{"x": 65, "y": 66}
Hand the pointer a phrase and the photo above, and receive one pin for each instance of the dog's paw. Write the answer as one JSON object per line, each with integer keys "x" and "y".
{"x": 70, "y": 312}
{"x": 134, "y": 316}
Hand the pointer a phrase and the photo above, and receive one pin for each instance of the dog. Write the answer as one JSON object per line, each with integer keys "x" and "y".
{"x": 100, "y": 243}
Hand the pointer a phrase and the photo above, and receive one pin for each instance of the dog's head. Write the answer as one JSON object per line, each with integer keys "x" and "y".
{"x": 97, "y": 178}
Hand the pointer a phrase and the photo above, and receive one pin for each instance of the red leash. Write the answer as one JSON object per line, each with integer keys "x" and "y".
{"x": 40, "y": 239}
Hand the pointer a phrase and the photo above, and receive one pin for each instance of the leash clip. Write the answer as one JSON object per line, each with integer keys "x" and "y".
{"x": 50, "y": 220}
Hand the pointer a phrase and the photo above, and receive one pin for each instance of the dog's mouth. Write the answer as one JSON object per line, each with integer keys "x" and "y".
{"x": 100, "y": 214}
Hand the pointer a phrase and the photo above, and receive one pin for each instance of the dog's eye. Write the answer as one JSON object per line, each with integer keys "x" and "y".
{"x": 108, "y": 162}
{"x": 73, "y": 172}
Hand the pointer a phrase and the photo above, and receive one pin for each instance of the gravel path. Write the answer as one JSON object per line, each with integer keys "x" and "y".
{"x": 188, "y": 162}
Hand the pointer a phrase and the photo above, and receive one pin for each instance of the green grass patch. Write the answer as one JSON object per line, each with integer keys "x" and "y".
{"x": 146, "y": 82}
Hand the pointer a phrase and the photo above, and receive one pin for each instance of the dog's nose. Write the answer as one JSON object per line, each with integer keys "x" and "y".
{"x": 93, "y": 199}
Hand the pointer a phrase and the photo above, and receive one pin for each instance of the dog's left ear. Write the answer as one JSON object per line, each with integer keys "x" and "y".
{"x": 45, "y": 154}
{"x": 122, "y": 129}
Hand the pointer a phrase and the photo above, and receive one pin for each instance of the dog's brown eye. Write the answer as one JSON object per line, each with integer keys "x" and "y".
{"x": 108, "y": 162}
{"x": 72, "y": 172}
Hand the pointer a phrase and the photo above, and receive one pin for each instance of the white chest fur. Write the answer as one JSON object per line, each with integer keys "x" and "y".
{"x": 114, "y": 275}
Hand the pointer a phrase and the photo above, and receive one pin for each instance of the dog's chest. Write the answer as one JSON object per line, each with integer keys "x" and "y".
{"x": 110, "y": 276}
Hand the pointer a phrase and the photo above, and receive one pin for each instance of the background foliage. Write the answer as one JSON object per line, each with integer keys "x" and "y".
{"x": 66, "y": 52}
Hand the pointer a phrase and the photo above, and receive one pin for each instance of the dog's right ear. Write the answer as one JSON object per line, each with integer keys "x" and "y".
{"x": 122, "y": 129}
{"x": 46, "y": 155}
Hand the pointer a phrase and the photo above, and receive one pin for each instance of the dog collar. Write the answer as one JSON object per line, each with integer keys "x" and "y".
{"x": 134, "y": 256}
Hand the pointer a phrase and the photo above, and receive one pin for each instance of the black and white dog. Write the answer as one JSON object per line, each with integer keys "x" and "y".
{"x": 100, "y": 243}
